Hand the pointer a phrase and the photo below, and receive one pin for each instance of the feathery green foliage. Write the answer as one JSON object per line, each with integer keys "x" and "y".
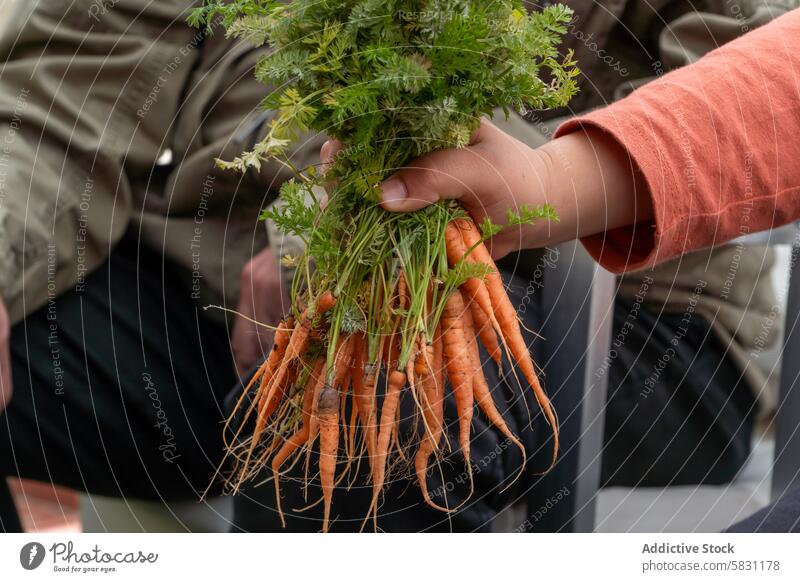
{"x": 392, "y": 80}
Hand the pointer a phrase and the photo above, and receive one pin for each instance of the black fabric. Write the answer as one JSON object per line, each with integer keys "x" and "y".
{"x": 9, "y": 520}
{"x": 679, "y": 411}
{"x": 783, "y": 516}
{"x": 118, "y": 389}
{"x": 495, "y": 463}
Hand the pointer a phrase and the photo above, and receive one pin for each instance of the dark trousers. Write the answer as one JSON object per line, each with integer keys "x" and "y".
{"x": 782, "y": 516}
{"x": 679, "y": 411}
{"x": 118, "y": 388}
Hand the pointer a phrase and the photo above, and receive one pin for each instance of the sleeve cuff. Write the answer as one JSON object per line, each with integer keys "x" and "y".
{"x": 646, "y": 243}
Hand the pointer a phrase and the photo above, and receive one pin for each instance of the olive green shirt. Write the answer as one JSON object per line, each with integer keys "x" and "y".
{"x": 111, "y": 115}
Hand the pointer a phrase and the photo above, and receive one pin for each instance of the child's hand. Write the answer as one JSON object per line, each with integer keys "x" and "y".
{"x": 585, "y": 175}
{"x": 493, "y": 174}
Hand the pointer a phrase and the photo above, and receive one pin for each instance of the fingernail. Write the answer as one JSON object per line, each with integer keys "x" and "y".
{"x": 325, "y": 150}
{"x": 394, "y": 193}
{"x": 324, "y": 156}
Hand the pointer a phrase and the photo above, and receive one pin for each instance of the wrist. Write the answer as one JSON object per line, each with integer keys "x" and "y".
{"x": 592, "y": 182}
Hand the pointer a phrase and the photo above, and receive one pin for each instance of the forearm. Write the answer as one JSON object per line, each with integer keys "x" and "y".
{"x": 716, "y": 144}
{"x": 703, "y": 155}
{"x": 593, "y": 184}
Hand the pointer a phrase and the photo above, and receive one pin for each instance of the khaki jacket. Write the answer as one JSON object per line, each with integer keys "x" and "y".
{"x": 111, "y": 115}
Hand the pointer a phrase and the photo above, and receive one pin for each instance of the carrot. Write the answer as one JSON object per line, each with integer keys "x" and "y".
{"x": 353, "y": 424}
{"x": 457, "y": 360}
{"x": 402, "y": 290}
{"x": 280, "y": 342}
{"x": 340, "y": 369}
{"x": 267, "y": 368}
{"x": 506, "y": 317}
{"x": 328, "y": 446}
{"x": 294, "y": 349}
{"x": 276, "y": 394}
{"x": 390, "y": 424}
{"x": 424, "y": 359}
{"x": 482, "y": 394}
{"x": 256, "y": 377}
{"x": 274, "y": 383}
{"x": 391, "y": 400}
{"x": 433, "y": 396}
{"x": 344, "y": 390}
{"x": 363, "y": 391}
{"x": 325, "y": 303}
{"x": 370, "y": 379}
{"x": 475, "y": 290}
{"x": 486, "y": 333}
{"x": 300, "y": 437}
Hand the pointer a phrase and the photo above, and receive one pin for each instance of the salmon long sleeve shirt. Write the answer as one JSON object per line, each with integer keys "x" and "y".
{"x": 718, "y": 145}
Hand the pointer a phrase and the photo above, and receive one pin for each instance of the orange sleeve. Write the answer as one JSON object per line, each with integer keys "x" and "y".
{"x": 718, "y": 144}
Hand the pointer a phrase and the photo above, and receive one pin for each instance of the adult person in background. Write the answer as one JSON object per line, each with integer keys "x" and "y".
{"x": 115, "y": 230}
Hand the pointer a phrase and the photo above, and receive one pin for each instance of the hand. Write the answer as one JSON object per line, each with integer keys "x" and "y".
{"x": 585, "y": 175}
{"x": 5, "y": 358}
{"x": 263, "y": 297}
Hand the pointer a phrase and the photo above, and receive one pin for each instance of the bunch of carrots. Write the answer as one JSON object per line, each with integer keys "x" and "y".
{"x": 384, "y": 304}
{"x": 294, "y": 377}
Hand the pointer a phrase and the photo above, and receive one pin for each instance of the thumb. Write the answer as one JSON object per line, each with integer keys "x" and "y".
{"x": 441, "y": 175}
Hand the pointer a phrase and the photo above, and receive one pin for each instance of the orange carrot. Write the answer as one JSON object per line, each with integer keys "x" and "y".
{"x": 280, "y": 342}
{"x": 295, "y": 348}
{"x": 268, "y": 366}
{"x": 402, "y": 290}
{"x": 328, "y": 446}
{"x": 475, "y": 290}
{"x": 488, "y": 336}
{"x": 299, "y": 438}
{"x": 506, "y": 317}
{"x": 351, "y": 438}
{"x": 275, "y": 396}
{"x": 457, "y": 360}
{"x": 340, "y": 368}
{"x": 272, "y": 383}
{"x": 391, "y": 400}
{"x": 424, "y": 359}
{"x": 325, "y": 303}
{"x": 370, "y": 380}
{"x": 363, "y": 392}
{"x": 482, "y": 394}
{"x": 433, "y": 395}
{"x": 256, "y": 377}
